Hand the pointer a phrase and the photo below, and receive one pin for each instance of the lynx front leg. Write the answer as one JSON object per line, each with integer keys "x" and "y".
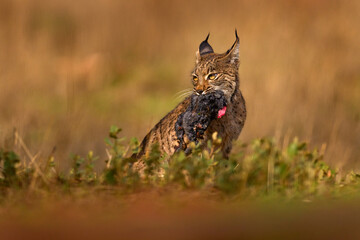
{"x": 226, "y": 148}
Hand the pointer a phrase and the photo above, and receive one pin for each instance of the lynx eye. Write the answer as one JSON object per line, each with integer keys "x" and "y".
{"x": 195, "y": 78}
{"x": 212, "y": 76}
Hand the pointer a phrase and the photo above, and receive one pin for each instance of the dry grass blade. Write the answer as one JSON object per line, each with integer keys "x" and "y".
{"x": 108, "y": 164}
{"x": 32, "y": 159}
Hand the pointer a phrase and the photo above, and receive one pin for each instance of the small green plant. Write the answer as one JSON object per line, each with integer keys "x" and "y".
{"x": 83, "y": 169}
{"x": 9, "y": 169}
{"x": 118, "y": 166}
{"x": 193, "y": 171}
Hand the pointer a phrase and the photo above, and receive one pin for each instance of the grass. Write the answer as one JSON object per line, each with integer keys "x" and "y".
{"x": 257, "y": 170}
{"x": 262, "y": 185}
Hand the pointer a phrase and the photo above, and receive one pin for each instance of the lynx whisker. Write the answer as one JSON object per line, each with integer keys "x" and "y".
{"x": 183, "y": 94}
{"x": 182, "y": 91}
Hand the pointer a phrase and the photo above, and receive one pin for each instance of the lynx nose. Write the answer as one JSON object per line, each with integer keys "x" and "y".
{"x": 199, "y": 91}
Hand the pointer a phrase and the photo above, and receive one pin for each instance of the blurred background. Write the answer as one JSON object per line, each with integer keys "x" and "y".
{"x": 70, "y": 69}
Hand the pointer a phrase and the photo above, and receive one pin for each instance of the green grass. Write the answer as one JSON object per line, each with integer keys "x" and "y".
{"x": 259, "y": 170}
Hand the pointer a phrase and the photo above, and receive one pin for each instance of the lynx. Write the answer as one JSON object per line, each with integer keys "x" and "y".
{"x": 212, "y": 72}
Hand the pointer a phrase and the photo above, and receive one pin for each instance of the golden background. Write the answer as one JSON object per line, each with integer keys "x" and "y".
{"x": 70, "y": 69}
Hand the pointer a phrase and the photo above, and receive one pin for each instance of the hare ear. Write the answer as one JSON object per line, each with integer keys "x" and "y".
{"x": 232, "y": 55}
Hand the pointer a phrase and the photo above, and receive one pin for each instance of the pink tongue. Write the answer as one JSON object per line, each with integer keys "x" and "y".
{"x": 221, "y": 112}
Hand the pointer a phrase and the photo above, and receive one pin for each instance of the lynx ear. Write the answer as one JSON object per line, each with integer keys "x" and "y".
{"x": 204, "y": 48}
{"x": 198, "y": 57}
{"x": 232, "y": 55}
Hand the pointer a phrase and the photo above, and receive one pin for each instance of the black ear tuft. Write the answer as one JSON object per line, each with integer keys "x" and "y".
{"x": 237, "y": 40}
{"x": 236, "y": 35}
{"x": 205, "y": 47}
{"x": 232, "y": 55}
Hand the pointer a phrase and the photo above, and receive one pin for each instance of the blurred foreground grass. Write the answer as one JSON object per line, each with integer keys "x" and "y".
{"x": 263, "y": 191}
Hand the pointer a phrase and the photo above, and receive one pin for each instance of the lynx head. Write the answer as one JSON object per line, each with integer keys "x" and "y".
{"x": 216, "y": 71}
